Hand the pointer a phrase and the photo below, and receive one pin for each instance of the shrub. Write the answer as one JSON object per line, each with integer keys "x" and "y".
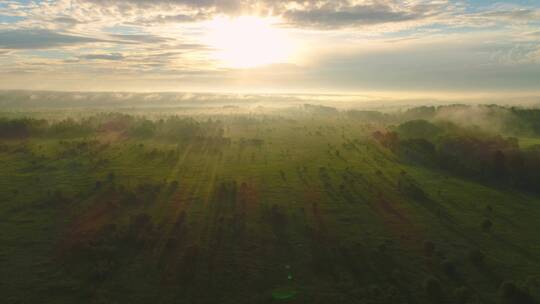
{"x": 141, "y": 229}
{"x": 510, "y": 293}
{"x": 486, "y": 225}
{"x": 102, "y": 269}
{"x": 507, "y": 289}
{"x": 433, "y": 289}
{"x": 397, "y": 276}
{"x": 173, "y": 185}
{"x": 462, "y": 294}
{"x": 382, "y": 248}
{"x": 532, "y": 282}
{"x": 410, "y": 188}
{"x": 429, "y": 248}
{"x": 449, "y": 267}
{"x": 476, "y": 257}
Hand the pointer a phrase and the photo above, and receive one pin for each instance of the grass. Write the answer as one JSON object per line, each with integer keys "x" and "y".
{"x": 290, "y": 221}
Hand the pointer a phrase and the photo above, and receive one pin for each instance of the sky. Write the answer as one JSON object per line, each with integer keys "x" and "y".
{"x": 411, "y": 47}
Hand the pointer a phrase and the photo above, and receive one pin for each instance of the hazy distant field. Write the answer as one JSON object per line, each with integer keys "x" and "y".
{"x": 305, "y": 204}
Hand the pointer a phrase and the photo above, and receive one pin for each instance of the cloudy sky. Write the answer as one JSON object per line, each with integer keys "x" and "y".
{"x": 348, "y": 46}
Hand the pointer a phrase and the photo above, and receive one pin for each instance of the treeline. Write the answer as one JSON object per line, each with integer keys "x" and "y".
{"x": 514, "y": 121}
{"x": 465, "y": 152}
{"x": 172, "y": 128}
{"x": 30, "y": 127}
{"x": 508, "y": 120}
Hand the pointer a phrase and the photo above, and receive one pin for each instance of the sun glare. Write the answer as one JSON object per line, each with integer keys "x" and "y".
{"x": 247, "y": 42}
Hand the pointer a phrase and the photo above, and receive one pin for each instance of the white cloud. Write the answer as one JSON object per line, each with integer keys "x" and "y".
{"x": 346, "y": 43}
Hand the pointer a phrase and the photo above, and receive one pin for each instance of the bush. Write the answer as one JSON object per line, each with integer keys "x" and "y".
{"x": 382, "y": 248}
{"x": 476, "y": 257}
{"x": 507, "y": 289}
{"x": 173, "y": 185}
{"x": 397, "y": 276}
{"x": 103, "y": 269}
{"x": 462, "y": 294}
{"x": 141, "y": 229}
{"x": 449, "y": 267}
{"x": 486, "y": 225}
{"x": 429, "y": 248}
{"x": 433, "y": 289}
{"x": 532, "y": 282}
{"x": 410, "y": 188}
{"x": 510, "y": 293}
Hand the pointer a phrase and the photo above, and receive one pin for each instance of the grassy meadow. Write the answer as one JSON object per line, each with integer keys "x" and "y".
{"x": 307, "y": 204}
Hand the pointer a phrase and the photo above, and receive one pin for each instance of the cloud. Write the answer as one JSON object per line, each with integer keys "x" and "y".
{"x": 112, "y": 56}
{"x": 334, "y": 16}
{"x": 522, "y": 15}
{"x": 371, "y": 43}
{"x": 308, "y": 13}
{"x": 167, "y": 19}
{"x": 20, "y": 39}
{"x": 67, "y": 20}
{"x": 537, "y": 33}
{"x": 128, "y": 4}
{"x": 39, "y": 39}
{"x": 139, "y": 38}
{"x": 319, "y": 14}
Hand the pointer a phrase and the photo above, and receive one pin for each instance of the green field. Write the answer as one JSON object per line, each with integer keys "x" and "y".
{"x": 303, "y": 205}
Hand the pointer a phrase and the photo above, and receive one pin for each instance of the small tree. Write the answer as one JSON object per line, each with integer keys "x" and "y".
{"x": 486, "y": 225}
{"x": 510, "y": 293}
{"x": 433, "y": 289}
{"x": 476, "y": 257}
{"x": 462, "y": 294}
{"x": 449, "y": 267}
{"x": 429, "y": 248}
{"x": 110, "y": 177}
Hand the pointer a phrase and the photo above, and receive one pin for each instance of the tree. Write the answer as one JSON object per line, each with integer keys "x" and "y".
{"x": 499, "y": 165}
{"x": 433, "y": 289}
{"x": 429, "y": 248}
{"x": 486, "y": 225}
{"x": 476, "y": 257}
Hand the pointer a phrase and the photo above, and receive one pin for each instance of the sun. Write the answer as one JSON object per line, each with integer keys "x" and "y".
{"x": 248, "y": 41}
